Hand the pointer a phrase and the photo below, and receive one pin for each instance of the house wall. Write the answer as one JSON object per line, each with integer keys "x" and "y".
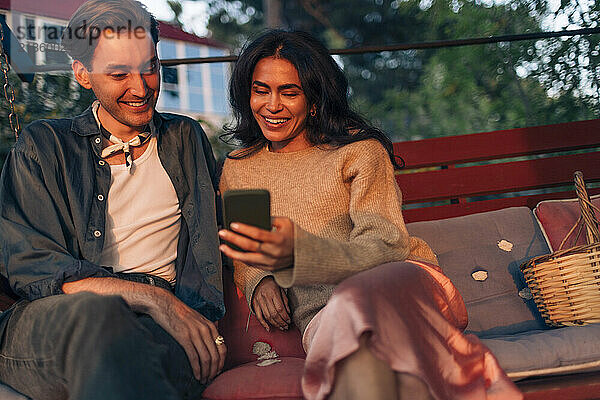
{"x": 197, "y": 90}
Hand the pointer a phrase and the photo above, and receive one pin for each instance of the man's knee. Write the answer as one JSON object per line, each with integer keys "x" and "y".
{"x": 63, "y": 316}
{"x": 87, "y": 307}
{"x": 103, "y": 328}
{"x": 92, "y": 319}
{"x": 85, "y": 302}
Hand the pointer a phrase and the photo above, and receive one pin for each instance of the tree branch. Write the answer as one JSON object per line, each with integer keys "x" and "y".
{"x": 314, "y": 10}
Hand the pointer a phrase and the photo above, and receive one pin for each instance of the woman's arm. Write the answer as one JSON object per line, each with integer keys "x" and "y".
{"x": 378, "y": 235}
{"x": 265, "y": 298}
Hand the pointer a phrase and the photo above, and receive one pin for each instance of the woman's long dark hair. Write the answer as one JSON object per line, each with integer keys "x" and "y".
{"x": 325, "y": 87}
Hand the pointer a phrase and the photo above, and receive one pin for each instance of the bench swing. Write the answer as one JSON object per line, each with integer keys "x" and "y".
{"x": 436, "y": 173}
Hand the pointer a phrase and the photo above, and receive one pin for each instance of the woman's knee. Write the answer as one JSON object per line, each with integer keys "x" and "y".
{"x": 393, "y": 276}
{"x": 361, "y": 375}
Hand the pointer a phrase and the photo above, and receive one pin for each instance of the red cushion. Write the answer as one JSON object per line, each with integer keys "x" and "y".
{"x": 557, "y": 217}
{"x": 239, "y": 341}
{"x": 249, "y": 381}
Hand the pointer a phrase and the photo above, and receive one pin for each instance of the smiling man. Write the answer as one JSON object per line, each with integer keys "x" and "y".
{"x": 108, "y": 232}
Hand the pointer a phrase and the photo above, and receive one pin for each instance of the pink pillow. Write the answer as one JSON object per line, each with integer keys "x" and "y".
{"x": 240, "y": 342}
{"x": 557, "y": 217}
{"x": 250, "y": 381}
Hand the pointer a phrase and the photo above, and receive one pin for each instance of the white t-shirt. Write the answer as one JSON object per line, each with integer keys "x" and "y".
{"x": 143, "y": 218}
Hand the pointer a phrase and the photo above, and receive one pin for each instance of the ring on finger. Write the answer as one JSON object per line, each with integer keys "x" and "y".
{"x": 220, "y": 340}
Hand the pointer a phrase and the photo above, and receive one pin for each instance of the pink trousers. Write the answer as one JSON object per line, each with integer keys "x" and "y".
{"x": 414, "y": 318}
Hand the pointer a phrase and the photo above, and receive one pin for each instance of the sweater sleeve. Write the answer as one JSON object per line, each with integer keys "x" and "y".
{"x": 378, "y": 232}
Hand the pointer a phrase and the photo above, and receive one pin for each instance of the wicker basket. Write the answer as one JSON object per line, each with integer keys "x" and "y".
{"x": 566, "y": 283}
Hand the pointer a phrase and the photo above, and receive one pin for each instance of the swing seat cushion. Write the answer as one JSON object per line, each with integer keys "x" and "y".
{"x": 279, "y": 380}
{"x": 557, "y": 217}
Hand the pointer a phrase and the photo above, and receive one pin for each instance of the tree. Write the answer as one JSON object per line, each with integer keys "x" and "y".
{"x": 454, "y": 90}
{"x": 475, "y": 88}
{"x": 232, "y": 22}
{"x": 48, "y": 96}
{"x": 177, "y": 9}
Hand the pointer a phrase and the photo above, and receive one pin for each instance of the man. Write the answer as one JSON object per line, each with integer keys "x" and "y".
{"x": 108, "y": 231}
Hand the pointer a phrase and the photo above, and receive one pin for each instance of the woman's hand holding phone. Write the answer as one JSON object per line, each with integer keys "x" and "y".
{"x": 267, "y": 250}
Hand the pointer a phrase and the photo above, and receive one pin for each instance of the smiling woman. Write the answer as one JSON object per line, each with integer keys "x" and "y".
{"x": 379, "y": 318}
{"x": 279, "y": 104}
{"x": 315, "y": 85}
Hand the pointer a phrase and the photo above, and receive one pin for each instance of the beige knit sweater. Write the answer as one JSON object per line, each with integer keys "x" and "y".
{"x": 346, "y": 207}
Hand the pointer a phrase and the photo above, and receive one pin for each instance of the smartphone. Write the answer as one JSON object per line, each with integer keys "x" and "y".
{"x": 248, "y": 206}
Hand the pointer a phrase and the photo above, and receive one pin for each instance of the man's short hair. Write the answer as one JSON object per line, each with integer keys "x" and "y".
{"x": 105, "y": 17}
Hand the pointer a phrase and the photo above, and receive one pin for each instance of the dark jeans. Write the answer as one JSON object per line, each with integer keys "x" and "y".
{"x": 86, "y": 346}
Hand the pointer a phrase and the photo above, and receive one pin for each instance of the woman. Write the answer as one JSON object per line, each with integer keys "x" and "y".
{"x": 370, "y": 329}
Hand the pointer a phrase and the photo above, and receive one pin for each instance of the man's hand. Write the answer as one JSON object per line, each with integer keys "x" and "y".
{"x": 270, "y": 304}
{"x": 190, "y": 329}
{"x": 194, "y": 333}
{"x": 267, "y": 250}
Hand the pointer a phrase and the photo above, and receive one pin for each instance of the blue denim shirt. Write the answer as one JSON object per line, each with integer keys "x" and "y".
{"x": 53, "y": 209}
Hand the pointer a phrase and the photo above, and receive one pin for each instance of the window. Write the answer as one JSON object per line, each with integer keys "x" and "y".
{"x": 218, "y": 82}
{"x": 195, "y": 76}
{"x": 195, "y": 82}
{"x": 169, "y": 75}
{"x": 30, "y": 38}
{"x": 30, "y": 29}
{"x": 194, "y": 71}
{"x": 197, "y": 102}
{"x": 51, "y": 45}
{"x": 170, "y": 78}
{"x": 3, "y": 20}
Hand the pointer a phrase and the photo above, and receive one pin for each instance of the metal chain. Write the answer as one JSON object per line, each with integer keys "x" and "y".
{"x": 9, "y": 93}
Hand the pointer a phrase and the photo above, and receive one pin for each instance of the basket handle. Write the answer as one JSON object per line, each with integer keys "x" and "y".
{"x": 587, "y": 209}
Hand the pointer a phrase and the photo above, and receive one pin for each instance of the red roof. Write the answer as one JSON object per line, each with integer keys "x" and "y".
{"x": 169, "y": 31}
{"x": 62, "y": 9}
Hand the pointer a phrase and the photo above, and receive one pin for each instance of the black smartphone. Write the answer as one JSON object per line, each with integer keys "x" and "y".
{"x": 248, "y": 206}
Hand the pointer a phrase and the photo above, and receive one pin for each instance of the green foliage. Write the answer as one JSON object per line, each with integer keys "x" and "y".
{"x": 233, "y": 22}
{"x": 416, "y": 94}
{"x": 410, "y": 94}
{"x": 48, "y": 96}
{"x": 177, "y": 9}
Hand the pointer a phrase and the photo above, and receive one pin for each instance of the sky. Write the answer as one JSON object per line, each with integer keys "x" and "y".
{"x": 194, "y": 16}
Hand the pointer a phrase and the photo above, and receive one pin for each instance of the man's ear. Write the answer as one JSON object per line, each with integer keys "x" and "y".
{"x": 81, "y": 74}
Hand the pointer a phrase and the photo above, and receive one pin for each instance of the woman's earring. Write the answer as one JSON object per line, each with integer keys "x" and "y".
{"x": 313, "y": 112}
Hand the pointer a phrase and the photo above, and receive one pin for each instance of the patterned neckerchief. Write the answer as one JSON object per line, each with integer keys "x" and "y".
{"x": 118, "y": 144}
